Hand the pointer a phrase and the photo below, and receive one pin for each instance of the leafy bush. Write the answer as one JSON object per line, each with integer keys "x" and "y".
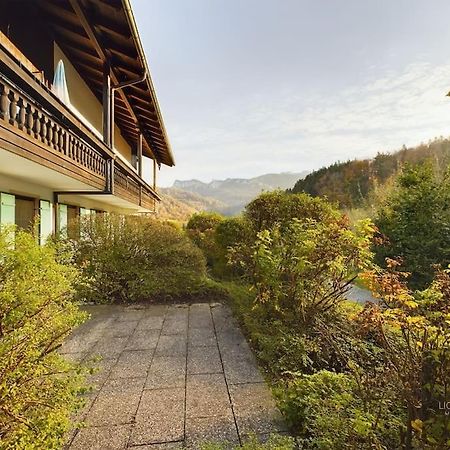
{"x": 415, "y": 223}
{"x": 38, "y": 388}
{"x": 304, "y": 268}
{"x": 227, "y": 234}
{"x": 231, "y": 231}
{"x": 327, "y": 412}
{"x": 128, "y": 259}
{"x": 201, "y": 229}
{"x": 413, "y": 329}
{"x": 279, "y": 208}
{"x": 204, "y": 221}
{"x": 275, "y": 442}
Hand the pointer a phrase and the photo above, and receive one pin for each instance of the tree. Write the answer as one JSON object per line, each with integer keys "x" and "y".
{"x": 415, "y": 223}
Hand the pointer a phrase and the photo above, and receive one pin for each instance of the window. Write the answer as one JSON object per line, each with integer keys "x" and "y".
{"x": 7, "y": 209}
{"x": 24, "y": 213}
{"x": 46, "y": 220}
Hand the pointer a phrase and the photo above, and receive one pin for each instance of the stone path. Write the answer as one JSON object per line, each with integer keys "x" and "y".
{"x": 170, "y": 377}
{"x": 360, "y": 295}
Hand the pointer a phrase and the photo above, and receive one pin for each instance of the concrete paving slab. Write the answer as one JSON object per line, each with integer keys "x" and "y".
{"x": 207, "y": 396}
{"x": 109, "y": 347}
{"x": 255, "y": 409}
{"x": 160, "y": 417}
{"x": 200, "y": 316}
{"x": 143, "y": 340}
{"x": 175, "y": 325}
{"x": 159, "y": 310}
{"x": 166, "y": 446}
{"x": 202, "y": 337}
{"x": 166, "y": 372}
{"x": 150, "y": 323}
{"x": 204, "y": 360}
{"x": 102, "y": 438}
{"x": 241, "y": 369}
{"x": 117, "y": 402}
{"x": 211, "y": 429}
{"x": 132, "y": 363}
{"x": 120, "y": 329}
{"x": 179, "y": 311}
{"x": 130, "y": 315}
{"x": 172, "y": 345}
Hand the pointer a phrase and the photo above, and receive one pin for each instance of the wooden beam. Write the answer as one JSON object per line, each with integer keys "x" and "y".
{"x": 139, "y": 154}
{"x": 86, "y": 23}
{"x": 107, "y": 107}
{"x": 88, "y": 29}
{"x": 154, "y": 175}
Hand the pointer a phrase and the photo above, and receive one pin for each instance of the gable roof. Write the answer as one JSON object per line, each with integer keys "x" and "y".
{"x": 94, "y": 32}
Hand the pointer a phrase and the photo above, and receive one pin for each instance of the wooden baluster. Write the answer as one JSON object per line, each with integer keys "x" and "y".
{"x": 63, "y": 141}
{"x": 80, "y": 153}
{"x": 4, "y": 101}
{"x": 29, "y": 121}
{"x": 44, "y": 134}
{"x": 13, "y": 107}
{"x": 71, "y": 148}
{"x": 37, "y": 125}
{"x": 69, "y": 145}
{"x": 21, "y": 106}
{"x": 50, "y": 132}
{"x": 74, "y": 148}
{"x": 57, "y": 130}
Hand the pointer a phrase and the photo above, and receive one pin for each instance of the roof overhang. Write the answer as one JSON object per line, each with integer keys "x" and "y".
{"x": 95, "y": 33}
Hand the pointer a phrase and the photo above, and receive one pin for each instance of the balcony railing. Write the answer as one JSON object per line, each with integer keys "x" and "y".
{"x": 35, "y": 124}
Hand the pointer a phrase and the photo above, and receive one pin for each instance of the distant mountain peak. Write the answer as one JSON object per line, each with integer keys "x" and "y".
{"x": 234, "y": 193}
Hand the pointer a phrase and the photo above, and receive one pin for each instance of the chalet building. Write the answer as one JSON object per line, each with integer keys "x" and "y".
{"x": 78, "y": 113}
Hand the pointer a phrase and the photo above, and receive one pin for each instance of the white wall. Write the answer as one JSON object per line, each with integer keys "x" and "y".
{"x": 83, "y": 99}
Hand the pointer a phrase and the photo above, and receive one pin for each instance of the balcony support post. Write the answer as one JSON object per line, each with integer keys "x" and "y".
{"x": 110, "y": 184}
{"x": 154, "y": 174}
{"x": 108, "y": 107}
{"x": 139, "y": 155}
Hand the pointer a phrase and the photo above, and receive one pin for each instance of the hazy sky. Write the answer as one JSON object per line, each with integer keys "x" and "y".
{"x": 248, "y": 87}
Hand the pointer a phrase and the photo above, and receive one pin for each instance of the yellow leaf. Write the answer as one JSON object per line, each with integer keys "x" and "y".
{"x": 417, "y": 425}
{"x": 411, "y": 304}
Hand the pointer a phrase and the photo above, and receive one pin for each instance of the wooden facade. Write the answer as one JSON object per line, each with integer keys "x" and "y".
{"x": 99, "y": 38}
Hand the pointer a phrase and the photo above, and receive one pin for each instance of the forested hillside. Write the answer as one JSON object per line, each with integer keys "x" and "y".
{"x": 177, "y": 204}
{"x": 350, "y": 183}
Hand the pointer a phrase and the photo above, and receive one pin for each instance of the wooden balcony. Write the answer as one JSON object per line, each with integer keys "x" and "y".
{"x": 34, "y": 124}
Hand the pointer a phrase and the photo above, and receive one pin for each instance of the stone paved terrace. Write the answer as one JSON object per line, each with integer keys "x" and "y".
{"x": 170, "y": 377}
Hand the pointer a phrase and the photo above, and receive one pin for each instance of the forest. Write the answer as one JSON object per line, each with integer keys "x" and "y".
{"x": 356, "y": 184}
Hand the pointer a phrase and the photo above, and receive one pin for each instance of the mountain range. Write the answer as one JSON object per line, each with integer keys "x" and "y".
{"x": 227, "y": 196}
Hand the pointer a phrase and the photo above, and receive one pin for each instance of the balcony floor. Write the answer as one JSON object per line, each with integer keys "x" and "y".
{"x": 23, "y": 176}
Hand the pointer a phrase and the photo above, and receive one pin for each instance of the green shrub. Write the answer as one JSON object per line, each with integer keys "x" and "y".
{"x": 327, "y": 412}
{"x": 228, "y": 233}
{"x": 413, "y": 328}
{"x": 305, "y": 268}
{"x": 279, "y": 208}
{"x": 38, "y": 388}
{"x": 129, "y": 259}
{"x": 204, "y": 221}
{"x": 415, "y": 223}
{"x": 201, "y": 229}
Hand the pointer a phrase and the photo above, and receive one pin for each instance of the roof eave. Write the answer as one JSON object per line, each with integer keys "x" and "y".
{"x": 137, "y": 40}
